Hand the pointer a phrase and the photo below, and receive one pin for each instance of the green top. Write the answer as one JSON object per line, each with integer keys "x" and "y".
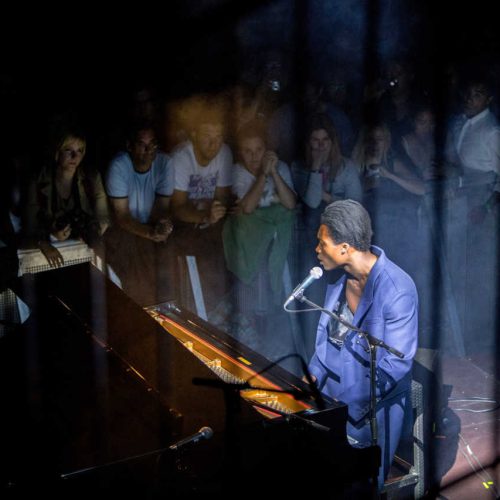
{"x": 247, "y": 238}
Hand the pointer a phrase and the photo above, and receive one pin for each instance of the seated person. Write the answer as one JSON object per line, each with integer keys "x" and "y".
{"x": 259, "y": 236}
{"x": 139, "y": 184}
{"x": 377, "y": 296}
{"x": 65, "y": 201}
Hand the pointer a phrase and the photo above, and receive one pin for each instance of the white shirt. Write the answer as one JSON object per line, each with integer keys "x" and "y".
{"x": 199, "y": 181}
{"x": 477, "y": 143}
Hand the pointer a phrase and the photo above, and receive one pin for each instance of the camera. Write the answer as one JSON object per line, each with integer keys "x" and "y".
{"x": 82, "y": 224}
{"x": 393, "y": 82}
{"x": 62, "y": 221}
{"x": 274, "y": 85}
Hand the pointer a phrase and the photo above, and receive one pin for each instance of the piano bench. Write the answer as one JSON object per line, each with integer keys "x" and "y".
{"x": 407, "y": 474}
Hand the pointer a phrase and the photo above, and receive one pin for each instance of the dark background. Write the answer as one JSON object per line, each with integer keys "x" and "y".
{"x": 89, "y": 59}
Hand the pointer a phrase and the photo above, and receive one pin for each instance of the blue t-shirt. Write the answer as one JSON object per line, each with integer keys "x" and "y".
{"x": 123, "y": 181}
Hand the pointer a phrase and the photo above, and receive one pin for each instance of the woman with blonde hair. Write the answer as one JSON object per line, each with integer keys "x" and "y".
{"x": 374, "y": 155}
{"x": 66, "y": 201}
{"x": 392, "y": 194}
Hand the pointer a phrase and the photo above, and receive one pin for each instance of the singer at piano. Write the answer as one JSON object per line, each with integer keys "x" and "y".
{"x": 377, "y": 296}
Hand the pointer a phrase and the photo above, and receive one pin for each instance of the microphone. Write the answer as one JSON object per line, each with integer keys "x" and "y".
{"x": 314, "y": 274}
{"x": 203, "y": 433}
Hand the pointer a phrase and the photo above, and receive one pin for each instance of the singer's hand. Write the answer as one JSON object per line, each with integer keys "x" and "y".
{"x": 313, "y": 378}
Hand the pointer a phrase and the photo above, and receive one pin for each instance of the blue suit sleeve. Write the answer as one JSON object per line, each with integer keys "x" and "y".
{"x": 401, "y": 332}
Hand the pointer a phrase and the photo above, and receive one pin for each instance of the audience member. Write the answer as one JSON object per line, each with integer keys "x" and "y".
{"x": 202, "y": 192}
{"x": 392, "y": 193}
{"x": 140, "y": 183}
{"x": 256, "y": 241}
{"x": 322, "y": 176}
{"x": 420, "y": 143}
{"x": 474, "y": 148}
{"x": 65, "y": 201}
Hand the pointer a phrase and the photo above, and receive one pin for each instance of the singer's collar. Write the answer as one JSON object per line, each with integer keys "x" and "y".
{"x": 375, "y": 270}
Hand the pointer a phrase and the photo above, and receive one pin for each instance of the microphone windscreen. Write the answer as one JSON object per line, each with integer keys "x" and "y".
{"x": 316, "y": 272}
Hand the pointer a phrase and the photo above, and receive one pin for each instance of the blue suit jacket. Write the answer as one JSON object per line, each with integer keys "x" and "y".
{"x": 388, "y": 310}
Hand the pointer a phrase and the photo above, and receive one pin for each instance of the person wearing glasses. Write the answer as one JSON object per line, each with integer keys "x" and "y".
{"x": 139, "y": 184}
{"x": 65, "y": 201}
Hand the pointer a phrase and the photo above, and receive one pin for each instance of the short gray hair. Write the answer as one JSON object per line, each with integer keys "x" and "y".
{"x": 348, "y": 221}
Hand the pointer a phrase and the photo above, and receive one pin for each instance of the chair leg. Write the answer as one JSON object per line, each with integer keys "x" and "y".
{"x": 415, "y": 475}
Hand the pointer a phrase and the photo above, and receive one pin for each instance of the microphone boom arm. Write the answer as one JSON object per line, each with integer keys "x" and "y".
{"x": 372, "y": 341}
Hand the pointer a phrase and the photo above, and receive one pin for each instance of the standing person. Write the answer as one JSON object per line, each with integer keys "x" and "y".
{"x": 393, "y": 192}
{"x": 377, "y": 296}
{"x": 473, "y": 148}
{"x": 324, "y": 175}
{"x": 420, "y": 143}
{"x": 202, "y": 168}
{"x": 256, "y": 241}
{"x": 139, "y": 184}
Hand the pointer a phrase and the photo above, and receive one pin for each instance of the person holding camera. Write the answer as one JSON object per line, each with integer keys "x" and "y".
{"x": 66, "y": 201}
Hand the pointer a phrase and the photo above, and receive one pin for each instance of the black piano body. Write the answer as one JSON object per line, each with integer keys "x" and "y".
{"x": 96, "y": 389}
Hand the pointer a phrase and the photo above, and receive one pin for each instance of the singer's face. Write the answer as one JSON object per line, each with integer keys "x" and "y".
{"x": 330, "y": 254}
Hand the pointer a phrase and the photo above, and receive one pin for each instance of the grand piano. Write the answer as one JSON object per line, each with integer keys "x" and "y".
{"x": 96, "y": 390}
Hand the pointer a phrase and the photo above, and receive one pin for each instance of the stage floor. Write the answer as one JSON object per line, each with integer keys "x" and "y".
{"x": 469, "y": 448}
